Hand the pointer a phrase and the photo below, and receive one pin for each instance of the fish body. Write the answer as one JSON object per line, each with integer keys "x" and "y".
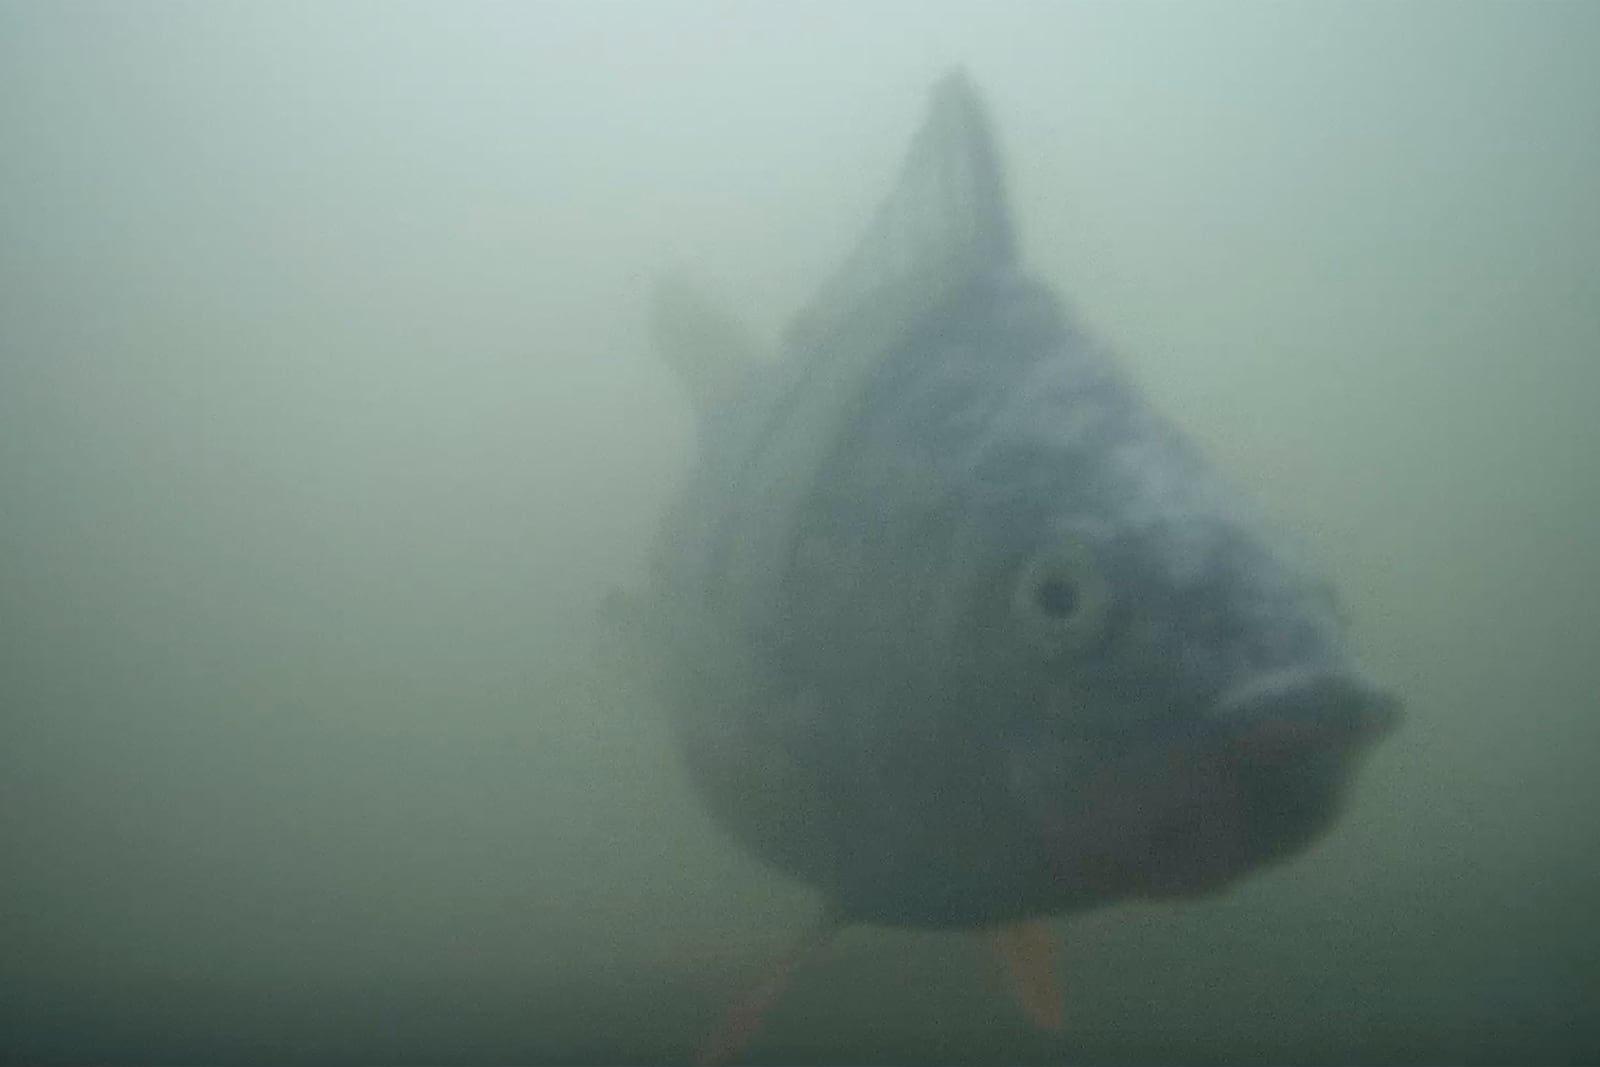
{"x": 954, "y": 625}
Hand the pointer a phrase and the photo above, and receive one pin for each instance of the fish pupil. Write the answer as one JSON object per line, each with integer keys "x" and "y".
{"x": 1057, "y": 597}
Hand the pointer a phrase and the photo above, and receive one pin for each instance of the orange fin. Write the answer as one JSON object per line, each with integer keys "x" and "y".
{"x": 1028, "y": 951}
{"x": 744, "y": 1019}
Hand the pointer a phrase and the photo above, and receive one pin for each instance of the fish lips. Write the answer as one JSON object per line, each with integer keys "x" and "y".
{"x": 1184, "y": 809}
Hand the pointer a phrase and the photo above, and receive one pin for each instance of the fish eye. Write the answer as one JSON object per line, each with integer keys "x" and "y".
{"x": 1060, "y": 599}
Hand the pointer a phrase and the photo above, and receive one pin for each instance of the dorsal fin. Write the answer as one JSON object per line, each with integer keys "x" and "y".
{"x": 945, "y": 222}
{"x": 944, "y": 226}
{"x": 710, "y": 351}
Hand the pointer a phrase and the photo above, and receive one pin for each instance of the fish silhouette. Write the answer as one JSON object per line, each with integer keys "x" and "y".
{"x": 954, "y": 626}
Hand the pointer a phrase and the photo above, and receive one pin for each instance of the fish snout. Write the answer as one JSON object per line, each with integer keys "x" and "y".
{"x": 1297, "y": 713}
{"x": 1296, "y": 736}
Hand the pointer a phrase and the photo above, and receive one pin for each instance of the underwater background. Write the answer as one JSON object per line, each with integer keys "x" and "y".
{"x": 328, "y": 418}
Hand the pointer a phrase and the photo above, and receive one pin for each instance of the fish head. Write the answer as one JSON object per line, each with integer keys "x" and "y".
{"x": 1165, "y": 673}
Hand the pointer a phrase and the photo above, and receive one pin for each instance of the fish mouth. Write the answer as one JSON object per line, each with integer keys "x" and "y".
{"x": 1295, "y": 738}
{"x": 1297, "y": 712}
{"x": 1177, "y": 812}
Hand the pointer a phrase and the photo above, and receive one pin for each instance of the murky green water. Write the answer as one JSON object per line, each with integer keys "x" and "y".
{"x": 327, "y": 417}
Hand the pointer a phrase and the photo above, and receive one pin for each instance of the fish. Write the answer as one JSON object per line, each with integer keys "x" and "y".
{"x": 954, "y": 626}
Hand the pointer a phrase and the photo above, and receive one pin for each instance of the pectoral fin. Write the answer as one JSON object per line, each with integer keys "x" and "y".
{"x": 744, "y": 1019}
{"x": 1027, "y": 950}
{"x": 710, "y": 351}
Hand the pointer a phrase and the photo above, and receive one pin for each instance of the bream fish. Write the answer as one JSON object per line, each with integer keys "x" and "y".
{"x": 959, "y": 630}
